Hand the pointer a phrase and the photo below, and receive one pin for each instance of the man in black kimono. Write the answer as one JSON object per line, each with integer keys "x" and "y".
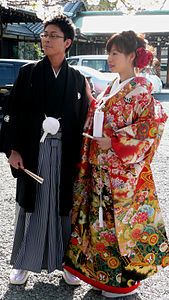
{"x": 46, "y": 90}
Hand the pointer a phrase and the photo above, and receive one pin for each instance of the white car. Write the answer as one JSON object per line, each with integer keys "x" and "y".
{"x": 99, "y": 80}
{"x": 97, "y": 62}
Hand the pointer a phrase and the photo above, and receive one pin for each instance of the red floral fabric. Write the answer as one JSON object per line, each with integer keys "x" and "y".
{"x": 132, "y": 243}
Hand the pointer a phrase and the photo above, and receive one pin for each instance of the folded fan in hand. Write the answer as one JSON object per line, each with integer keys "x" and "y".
{"x": 34, "y": 176}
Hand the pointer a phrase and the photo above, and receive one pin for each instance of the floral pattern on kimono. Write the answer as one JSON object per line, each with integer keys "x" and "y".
{"x": 132, "y": 242}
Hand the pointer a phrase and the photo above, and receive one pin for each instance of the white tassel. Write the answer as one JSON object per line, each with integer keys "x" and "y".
{"x": 50, "y": 125}
{"x": 101, "y": 216}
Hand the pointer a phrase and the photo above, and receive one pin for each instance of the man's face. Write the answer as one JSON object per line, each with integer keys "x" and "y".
{"x": 53, "y": 41}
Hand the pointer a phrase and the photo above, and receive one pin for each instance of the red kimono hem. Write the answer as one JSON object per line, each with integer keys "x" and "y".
{"x": 101, "y": 286}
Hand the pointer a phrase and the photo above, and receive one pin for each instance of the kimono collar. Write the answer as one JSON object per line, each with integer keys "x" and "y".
{"x": 116, "y": 87}
{"x": 56, "y": 73}
{"x": 113, "y": 88}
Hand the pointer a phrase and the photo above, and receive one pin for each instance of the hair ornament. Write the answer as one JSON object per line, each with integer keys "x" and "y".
{"x": 143, "y": 57}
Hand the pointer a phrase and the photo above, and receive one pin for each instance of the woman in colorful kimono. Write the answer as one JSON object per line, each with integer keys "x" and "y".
{"x": 118, "y": 235}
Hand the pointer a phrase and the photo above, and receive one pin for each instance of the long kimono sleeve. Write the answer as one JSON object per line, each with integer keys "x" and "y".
{"x": 140, "y": 139}
{"x": 9, "y": 135}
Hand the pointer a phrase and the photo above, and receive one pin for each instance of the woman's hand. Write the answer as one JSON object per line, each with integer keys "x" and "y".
{"x": 15, "y": 160}
{"x": 103, "y": 142}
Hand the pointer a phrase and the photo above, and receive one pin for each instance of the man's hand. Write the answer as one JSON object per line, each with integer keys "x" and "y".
{"x": 15, "y": 160}
{"x": 104, "y": 142}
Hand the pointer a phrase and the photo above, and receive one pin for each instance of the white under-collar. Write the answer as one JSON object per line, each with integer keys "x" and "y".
{"x": 56, "y": 73}
{"x": 116, "y": 87}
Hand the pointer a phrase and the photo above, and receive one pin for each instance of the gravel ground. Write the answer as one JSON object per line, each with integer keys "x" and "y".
{"x": 51, "y": 286}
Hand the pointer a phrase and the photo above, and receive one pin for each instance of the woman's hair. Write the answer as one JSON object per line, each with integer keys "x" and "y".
{"x": 66, "y": 26}
{"x": 127, "y": 42}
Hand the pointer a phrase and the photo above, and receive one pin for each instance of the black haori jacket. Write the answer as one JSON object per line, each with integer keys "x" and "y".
{"x": 22, "y": 125}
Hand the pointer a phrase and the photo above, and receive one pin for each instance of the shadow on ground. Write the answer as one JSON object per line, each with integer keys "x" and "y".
{"x": 94, "y": 295}
{"x": 51, "y": 291}
{"x": 40, "y": 291}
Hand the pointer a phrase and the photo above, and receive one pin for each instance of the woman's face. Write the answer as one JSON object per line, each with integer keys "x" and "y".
{"x": 119, "y": 62}
{"x": 53, "y": 42}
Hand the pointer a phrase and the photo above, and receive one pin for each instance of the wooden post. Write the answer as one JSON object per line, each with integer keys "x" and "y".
{"x": 1, "y": 37}
{"x": 159, "y": 52}
{"x": 167, "y": 81}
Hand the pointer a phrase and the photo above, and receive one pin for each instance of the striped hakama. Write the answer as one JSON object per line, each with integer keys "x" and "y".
{"x": 42, "y": 236}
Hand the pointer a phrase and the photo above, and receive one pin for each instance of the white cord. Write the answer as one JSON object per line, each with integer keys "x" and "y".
{"x": 101, "y": 203}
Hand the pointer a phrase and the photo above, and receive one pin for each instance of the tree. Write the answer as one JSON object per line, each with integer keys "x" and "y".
{"x": 32, "y": 3}
{"x": 101, "y": 5}
{"x": 126, "y": 6}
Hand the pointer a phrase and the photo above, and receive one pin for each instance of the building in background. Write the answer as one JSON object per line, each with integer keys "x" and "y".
{"x": 93, "y": 29}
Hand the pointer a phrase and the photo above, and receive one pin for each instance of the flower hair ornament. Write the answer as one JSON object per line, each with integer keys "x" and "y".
{"x": 143, "y": 57}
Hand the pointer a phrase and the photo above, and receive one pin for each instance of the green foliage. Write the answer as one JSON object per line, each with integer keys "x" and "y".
{"x": 103, "y": 5}
{"x": 27, "y": 51}
{"x": 15, "y": 52}
{"x": 38, "y": 54}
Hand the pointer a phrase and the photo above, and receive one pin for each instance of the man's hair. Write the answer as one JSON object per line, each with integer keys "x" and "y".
{"x": 66, "y": 26}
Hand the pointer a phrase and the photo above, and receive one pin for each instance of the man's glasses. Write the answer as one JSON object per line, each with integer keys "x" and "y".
{"x": 52, "y": 36}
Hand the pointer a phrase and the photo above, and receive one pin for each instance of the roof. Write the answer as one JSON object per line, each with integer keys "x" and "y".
{"x": 24, "y": 30}
{"x": 71, "y": 8}
{"x": 36, "y": 28}
{"x": 91, "y": 23}
{"x": 11, "y": 15}
{"x": 33, "y": 29}
{"x": 100, "y": 23}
